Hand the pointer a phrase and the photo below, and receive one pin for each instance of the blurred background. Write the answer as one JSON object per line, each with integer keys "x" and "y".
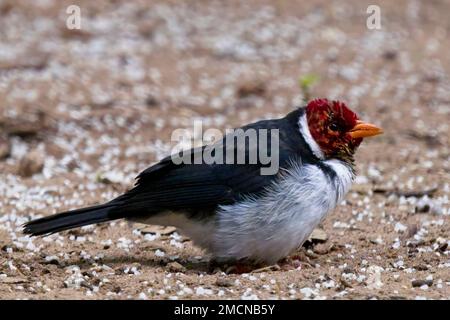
{"x": 83, "y": 111}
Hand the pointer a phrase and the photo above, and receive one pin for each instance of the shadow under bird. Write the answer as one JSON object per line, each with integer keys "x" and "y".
{"x": 232, "y": 210}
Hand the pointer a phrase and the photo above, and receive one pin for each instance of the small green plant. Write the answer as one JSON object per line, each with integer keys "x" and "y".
{"x": 306, "y": 82}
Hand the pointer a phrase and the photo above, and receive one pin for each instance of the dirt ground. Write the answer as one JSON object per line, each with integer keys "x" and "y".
{"x": 82, "y": 112}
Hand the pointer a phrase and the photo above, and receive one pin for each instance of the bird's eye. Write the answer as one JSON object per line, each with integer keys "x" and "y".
{"x": 333, "y": 126}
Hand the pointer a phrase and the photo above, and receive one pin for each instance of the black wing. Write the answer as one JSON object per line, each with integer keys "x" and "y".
{"x": 202, "y": 187}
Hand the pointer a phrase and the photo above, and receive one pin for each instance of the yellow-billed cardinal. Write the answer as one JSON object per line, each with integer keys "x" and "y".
{"x": 234, "y": 211}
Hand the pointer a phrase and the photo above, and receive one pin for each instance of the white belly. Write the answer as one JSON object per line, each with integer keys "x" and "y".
{"x": 270, "y": 227}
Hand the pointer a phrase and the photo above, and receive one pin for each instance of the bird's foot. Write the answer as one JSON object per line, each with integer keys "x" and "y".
{"x": 274, "y": 267}
{"x": 240, "y": 268}
{"x": 231, "y": 267}
{"x": 295, "y": 262}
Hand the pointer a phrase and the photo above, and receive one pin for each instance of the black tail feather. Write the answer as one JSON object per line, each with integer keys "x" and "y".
{"x": 70, "y": 219}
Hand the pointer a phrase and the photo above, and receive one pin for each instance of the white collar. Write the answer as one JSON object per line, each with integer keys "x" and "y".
{"x": 304, "y": 130}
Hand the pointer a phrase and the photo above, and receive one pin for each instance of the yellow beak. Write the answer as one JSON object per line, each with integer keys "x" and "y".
{"x": 364, "y": 130}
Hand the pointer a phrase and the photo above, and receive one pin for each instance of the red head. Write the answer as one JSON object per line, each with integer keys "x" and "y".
{"x": 337, "y": 129}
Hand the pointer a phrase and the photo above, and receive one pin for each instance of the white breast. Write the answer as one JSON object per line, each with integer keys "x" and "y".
{"x": 269, "y": 228}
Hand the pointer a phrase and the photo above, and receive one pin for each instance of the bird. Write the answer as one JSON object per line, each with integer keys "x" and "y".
{"x": 232, "y": 210}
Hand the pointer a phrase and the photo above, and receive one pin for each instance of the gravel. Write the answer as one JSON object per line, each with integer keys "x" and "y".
{"x": 83, "y": 112}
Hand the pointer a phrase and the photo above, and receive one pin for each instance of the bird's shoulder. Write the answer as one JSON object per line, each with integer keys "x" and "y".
{"x": 170, "y": 184}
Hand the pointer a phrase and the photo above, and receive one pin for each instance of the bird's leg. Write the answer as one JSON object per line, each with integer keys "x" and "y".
{"x": 237, "y": 267}
{"x": 240, "y": 268}
{"x": 295, "y": 261}
{"x": 229, "y": 267}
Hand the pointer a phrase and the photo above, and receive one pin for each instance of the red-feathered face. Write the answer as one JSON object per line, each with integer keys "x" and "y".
{"x": 336, "y": 129}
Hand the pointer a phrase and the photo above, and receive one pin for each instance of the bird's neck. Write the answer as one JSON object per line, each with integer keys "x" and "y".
{"x": 346, "y": 155}
{"x": 309, "y": 140}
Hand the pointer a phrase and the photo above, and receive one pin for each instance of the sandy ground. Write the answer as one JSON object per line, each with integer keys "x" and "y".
{"x": 82, "y": 112}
